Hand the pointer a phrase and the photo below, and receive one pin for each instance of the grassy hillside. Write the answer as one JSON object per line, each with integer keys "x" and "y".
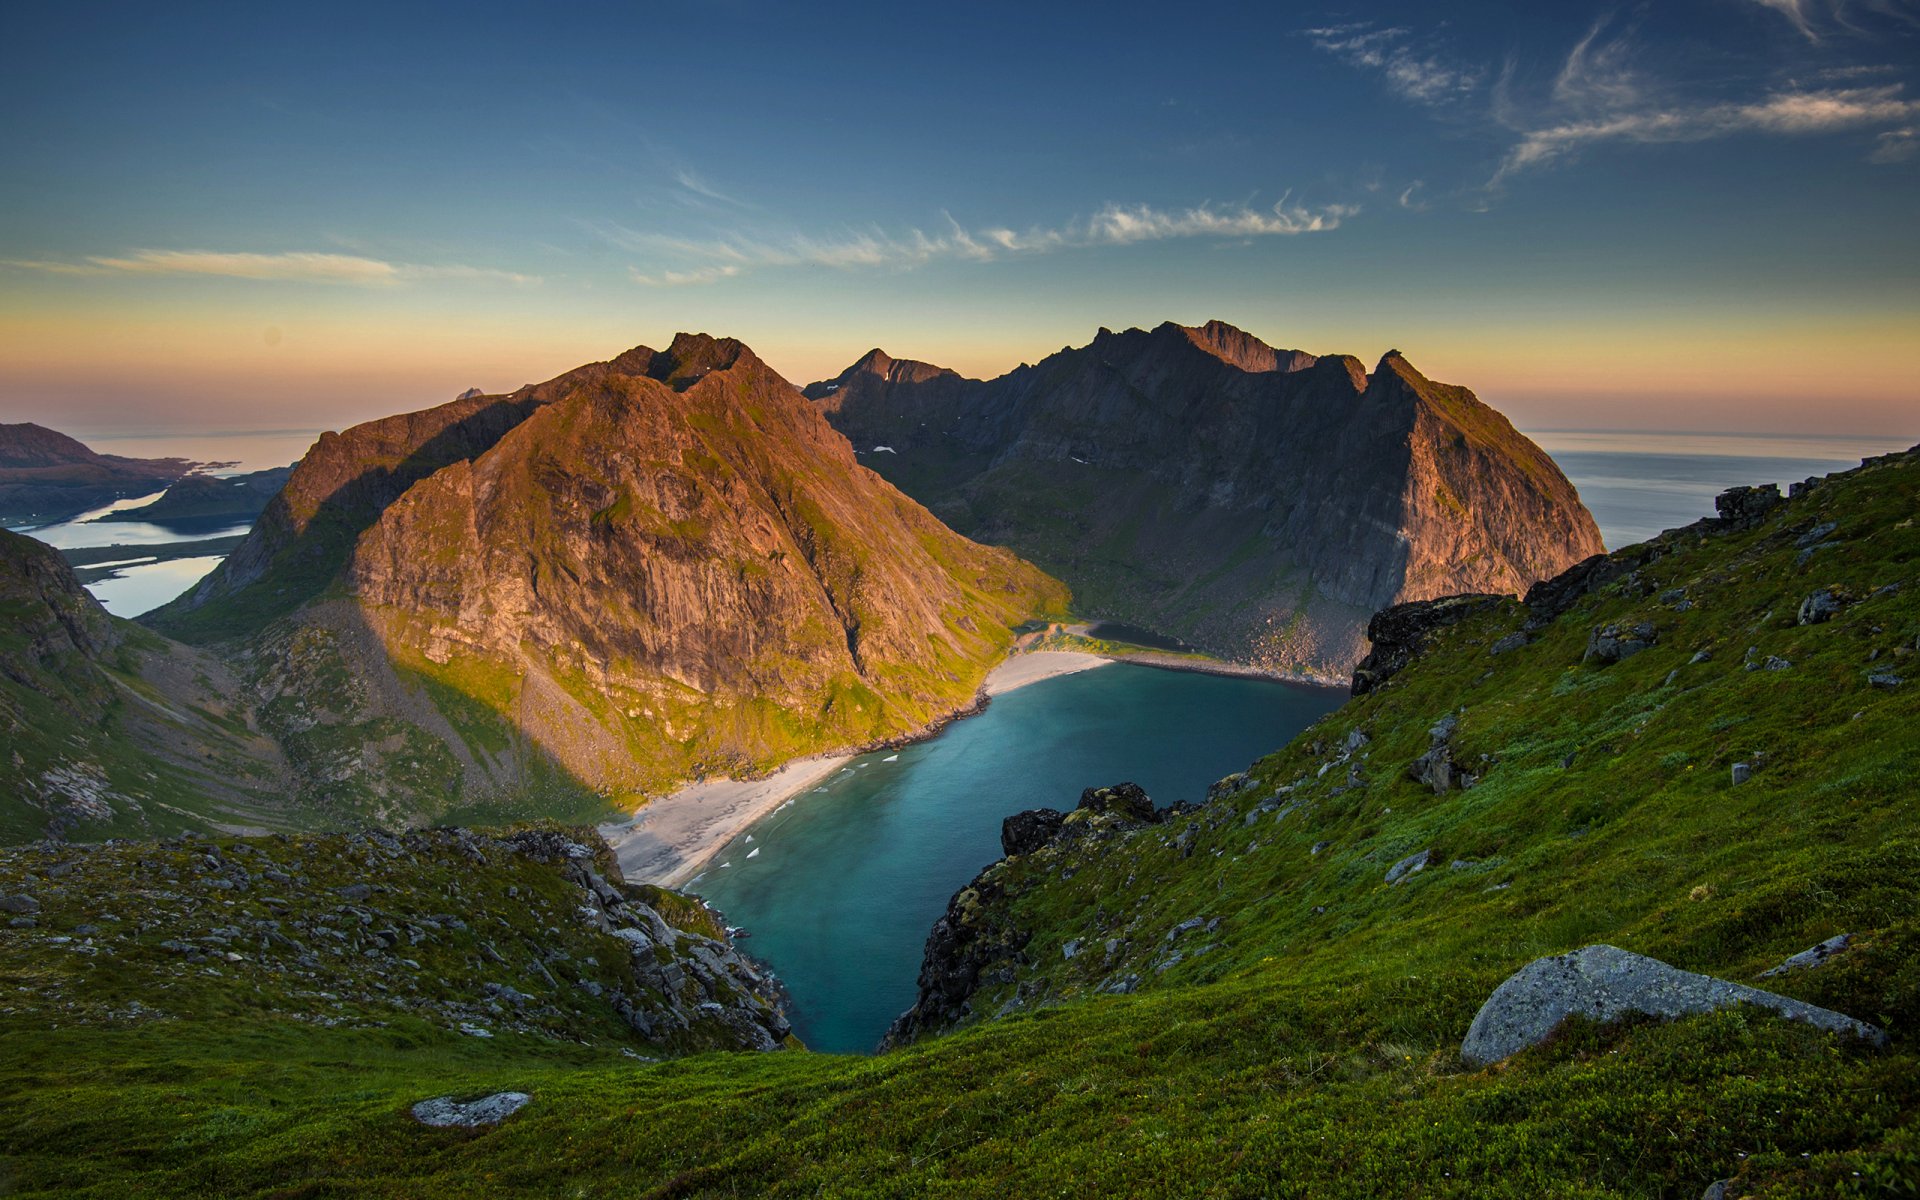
{"x": 1251, "y": 1009}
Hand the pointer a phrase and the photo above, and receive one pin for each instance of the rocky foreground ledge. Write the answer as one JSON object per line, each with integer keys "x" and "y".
{"x": 529, "y": 932}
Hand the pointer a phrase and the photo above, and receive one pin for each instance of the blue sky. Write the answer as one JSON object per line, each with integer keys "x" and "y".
{"x": 1694, "y": 213}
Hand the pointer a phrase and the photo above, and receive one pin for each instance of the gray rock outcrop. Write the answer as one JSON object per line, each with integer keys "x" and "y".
{"x": 1611, "y": 643}
{"x": 1606, "y": 983}
{"x": 444, "y": 1111}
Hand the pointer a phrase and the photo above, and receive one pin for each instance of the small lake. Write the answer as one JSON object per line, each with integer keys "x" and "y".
{"x": 840, "y": 888}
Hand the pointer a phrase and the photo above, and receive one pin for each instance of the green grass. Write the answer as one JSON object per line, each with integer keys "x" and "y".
{"x": 1307, "y": 1045}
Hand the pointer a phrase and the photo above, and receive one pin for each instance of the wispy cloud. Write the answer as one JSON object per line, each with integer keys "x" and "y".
{"x": 709, "y": 260}
{"x": 1409, "y": 70}
{"x": 295, "y": 266}
{"x": 1895, "y": 145}
{"x": 1784, "y": 113}
{"x": 1818, "y": 19}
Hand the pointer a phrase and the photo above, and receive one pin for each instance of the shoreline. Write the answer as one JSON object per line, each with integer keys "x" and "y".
{"x": 673, "y": 839}
{"x": 1167, "y": 661}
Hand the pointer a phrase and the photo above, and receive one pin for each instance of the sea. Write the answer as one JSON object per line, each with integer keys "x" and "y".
{"x": 839, "y": 887}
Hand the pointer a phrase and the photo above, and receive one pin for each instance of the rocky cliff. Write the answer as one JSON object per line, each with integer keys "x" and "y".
{"x": 1257, "y": 502}
{"x": 660, "y": 566}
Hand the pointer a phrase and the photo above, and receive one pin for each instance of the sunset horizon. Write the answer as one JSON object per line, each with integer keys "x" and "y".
{"x": 1619, "y": 219}
{"x": 713, "y": 598}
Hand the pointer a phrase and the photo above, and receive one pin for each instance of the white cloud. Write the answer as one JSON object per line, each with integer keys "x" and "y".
{"x": 1816, "y": 19}
{"x": 1417, "y": 75}
{"x": 296, "y": 266}
{"x": 698, "y": 185}
{"x": 1784, "y": 113}
{"x": 1896, "y": 145}
{"x": 710, "y": 260}
{"x": 1795, "y": 11}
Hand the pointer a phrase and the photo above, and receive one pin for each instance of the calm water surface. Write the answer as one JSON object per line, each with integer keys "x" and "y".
{"x": 1639, "y": 484}
{"x": 840, "y": 888}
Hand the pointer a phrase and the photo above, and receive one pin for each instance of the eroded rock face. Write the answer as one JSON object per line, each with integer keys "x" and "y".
{"x": 653, "y": 568}
{"x": 1400, "y": 633}
{"x": 1306, "y": 492}
{"x": 1606, "y": 983}
{"x": 975, "y": 942}
{"x": 1025, "y": 832}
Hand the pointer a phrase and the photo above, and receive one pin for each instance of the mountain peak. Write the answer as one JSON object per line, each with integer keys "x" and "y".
{"x": 1236, "y": 347}
{"x": 687, "y": 360}
{"x": 881, "y": 367}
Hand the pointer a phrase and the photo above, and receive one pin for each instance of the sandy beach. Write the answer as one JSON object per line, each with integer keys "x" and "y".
{"x": 670, "y": 840}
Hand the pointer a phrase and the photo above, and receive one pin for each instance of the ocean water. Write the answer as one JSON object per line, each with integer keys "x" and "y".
{"x": 138, "y": 587}
{"x": 839, "y": 889}
{"x": 245, "y": 449}
{"x": 1640, "y": 484}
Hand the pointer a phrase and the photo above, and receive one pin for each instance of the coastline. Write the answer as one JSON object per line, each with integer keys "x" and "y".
{"x": 672, "y": 839}
{"x": 1214, "y": 666}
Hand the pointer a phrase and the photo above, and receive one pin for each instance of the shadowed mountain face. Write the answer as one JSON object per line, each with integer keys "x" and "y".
{"x": 111, "y": 731}
{"x": 646, "y": 569}
{"x": 48, "y": 476}
{"x": 1259, "y": 503}
{"x": 200, "y": 498}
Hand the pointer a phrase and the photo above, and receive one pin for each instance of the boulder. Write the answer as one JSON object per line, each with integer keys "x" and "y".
{"x": 24, "y": 905}
{"x": 1409, "y": 865}
{"x": 1745, "y": 507}
{"x": 1435, "y": 767}
{"x": 444, "y": 1111}
{"x": 1127, "y": 800}
{"x": 1811, "y": 957}
{"x": 1509, "y": 643}
{"x": 1822, "y": 605}
{"x": 1606, "y": 983}
{"x": 1025, "y": 832}
{"x": 1611, "y": 643}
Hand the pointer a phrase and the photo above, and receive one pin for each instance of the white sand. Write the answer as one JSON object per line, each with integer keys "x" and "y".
{"x": 673, "y": 838}
{"x": 1023, "y": 669}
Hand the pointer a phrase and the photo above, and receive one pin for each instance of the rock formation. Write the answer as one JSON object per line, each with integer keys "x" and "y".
{"x": 647, "y": 569}
{"x": 1258, "y": 503}
{"x": 1605, "y": 983}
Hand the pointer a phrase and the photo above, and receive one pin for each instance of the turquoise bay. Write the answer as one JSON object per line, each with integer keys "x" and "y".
{"x": 839, "y": 887}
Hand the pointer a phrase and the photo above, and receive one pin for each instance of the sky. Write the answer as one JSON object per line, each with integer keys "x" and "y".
{"x": 1691, "y": 214}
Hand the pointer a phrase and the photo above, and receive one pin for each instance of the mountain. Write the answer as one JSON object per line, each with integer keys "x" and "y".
{"x": 1256, "y": 502}
{"x": 197, "y": 498}
{"x": 47, "y": 476}
{"x": 113, "y": 732}
{"x": 648, "y": 569}
{"x": 1698, "y": 749}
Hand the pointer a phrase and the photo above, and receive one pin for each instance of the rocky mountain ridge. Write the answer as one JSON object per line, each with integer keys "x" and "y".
{"x": 1258, "y": 503}
{"x": 1610, "y": 892}
{"x": 647, "y": 569}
